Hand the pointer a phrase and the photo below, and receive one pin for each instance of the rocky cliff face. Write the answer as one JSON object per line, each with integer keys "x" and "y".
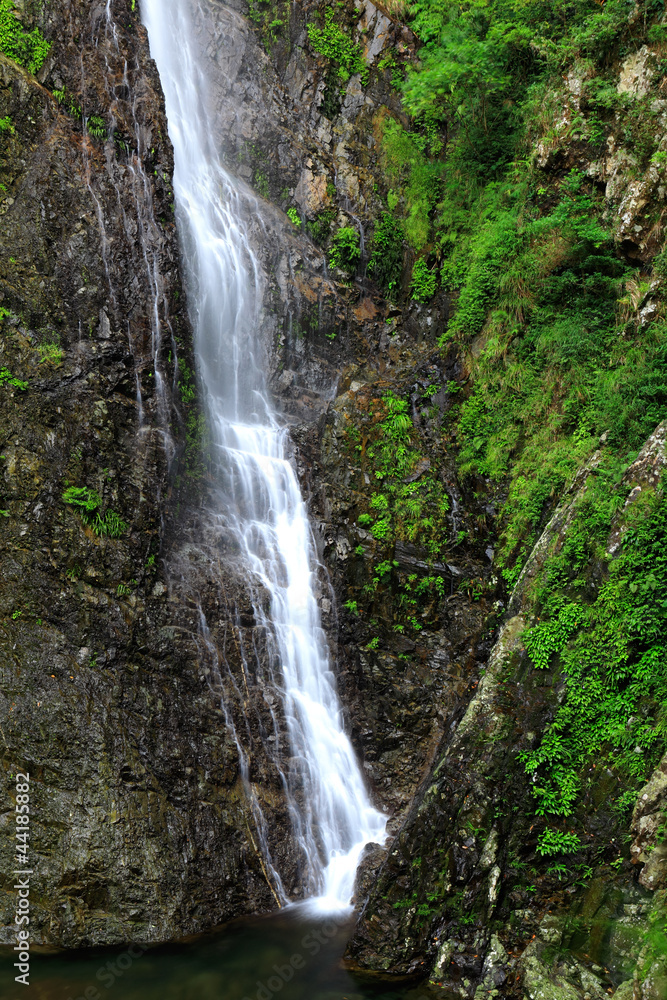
{"x": 139, "y": 825}
{"x": 123, "y": 711}
{"x": 425, "y": 703}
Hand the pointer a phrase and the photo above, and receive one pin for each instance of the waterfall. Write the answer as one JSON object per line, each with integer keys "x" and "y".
{"x": 260, "y": 500}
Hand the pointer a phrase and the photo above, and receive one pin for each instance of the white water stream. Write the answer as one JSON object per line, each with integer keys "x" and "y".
{"x": 332, "y": 816}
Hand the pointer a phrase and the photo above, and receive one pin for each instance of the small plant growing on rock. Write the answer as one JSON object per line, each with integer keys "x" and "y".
{"x": 293, "y": 216}
{"x": 88, "y": 502}
{"x": 6, "y": 378}
{"x": 423, "y": 281}
{"x": 553, "y": 842}
{"x": 332, "y": 42}
{"x": 50, "y": 353}
{"x": 27, "y": 48}
{"x": 96, "y": 127}
{"x": 345, "y": 252}
{"x": 386, "y": 263}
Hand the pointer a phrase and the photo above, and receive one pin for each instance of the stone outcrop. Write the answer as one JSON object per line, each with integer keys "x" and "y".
{"x": 140, "y": 823}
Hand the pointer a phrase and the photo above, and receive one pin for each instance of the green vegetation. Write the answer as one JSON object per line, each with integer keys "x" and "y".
{"x": 611, "y": 652}
{"x": 320, "y": 228}
{"x": 268, "y": 17}
{"x": 6, "y": 125}
{"x": 294, "y": 217}
{"x": 67, "y": 102}
{"x": 414, "y": 180}
{"x": 386, "y": 261}
{"x": 96, "y": 127}
{"x": 564, "y": 337}
{"x": 333, "y": 42}
{"x": 186, "y": 383}
{"x": 261, "y": 182}
{"x": 408, "y": 505}
{"x": 531, "y": 264}
{"x": 50, "y": 353}
{"x": 27, "y": 48}
{"x": 345, "y": 252}
{"x": 88, "y": 504}
{"x": 423, "y": 282}
{"x": 6, "y": 378}
{"x": 557, "y": 842}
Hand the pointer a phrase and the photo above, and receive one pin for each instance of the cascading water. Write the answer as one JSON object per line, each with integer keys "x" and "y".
{"x": 332, "y": 816}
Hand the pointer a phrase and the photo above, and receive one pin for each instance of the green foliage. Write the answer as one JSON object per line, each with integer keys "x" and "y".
{"x": 414, "y": 180}
{"x": 186, "y": 382}
{"x": 261, "y": 182}
{"x": 345, "y": 251}
{"x": 88, "y": 503}
{"x": 545, "y": 307}
{"x": 50, "y": 353}
{"x": 294, "y": 217}
{"x": 27, "y": 48}
{"x": 6, "y": 125}
{"x": 67, "y": 102}
{"x": 6, "y": 378}
{"x": 548, "y": 638}
{"x": 552, "y": 374}
{"x": 423, "y": 281}
{"x": 320, "y": 228}
{"x": 264, "y": 14}
{"x": 612, "y": 653}
{"x": 553, "y": 842}
{"x": 332, "y": 41}
{"x": 96, "y": 127}
{"x": 386, "y": 262}
{"x": 413, "y": 511}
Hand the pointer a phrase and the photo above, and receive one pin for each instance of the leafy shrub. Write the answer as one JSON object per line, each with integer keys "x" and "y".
{"x": 386, "y": 262}
{"x": 294, "y": 217}
{"x": 557, "y": 842}
{"x": 415, "y": 511}
{"x": 6, "y": 378}
{"x": 27, "y": 48}
{"x": 382, "y": 528}
{"x": 88, "y": 503}
{"x": 332, "y": 42}
{"x": 345, "y": 252}
{"x": 423, "y": 281}
{"x": 50, "y": 353}
{"x": 186, "y": 382}
{"x": 414, "y": 181}
{"x": 320, "y": 227}
{"x": 96, "y": 127}
{"x": 548, "y": 638}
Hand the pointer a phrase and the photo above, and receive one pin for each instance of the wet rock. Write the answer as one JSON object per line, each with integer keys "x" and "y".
{"x": 371, "y": 858}
{"x": 648, "y": 825}
{"x": 140, "y": 825}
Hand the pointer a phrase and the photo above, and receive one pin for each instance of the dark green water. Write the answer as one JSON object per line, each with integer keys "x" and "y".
{"x": 283, "y": 957}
